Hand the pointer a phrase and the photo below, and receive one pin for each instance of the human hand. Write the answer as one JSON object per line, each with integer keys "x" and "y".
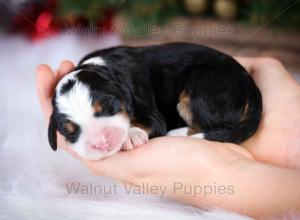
{"x": 277, "y": 139}
{"x": 47, "y": 80}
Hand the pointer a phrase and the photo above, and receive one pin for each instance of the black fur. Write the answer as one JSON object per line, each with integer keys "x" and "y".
{"x": 149, "y": 80}
{"x": 67, "y": 87}
{"x": 57, "y": 121}
{"x": 52, "y": 132}
{"x": 102, "y": 90}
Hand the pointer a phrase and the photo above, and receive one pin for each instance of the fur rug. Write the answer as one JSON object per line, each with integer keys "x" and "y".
{"x": 34, "y": 179}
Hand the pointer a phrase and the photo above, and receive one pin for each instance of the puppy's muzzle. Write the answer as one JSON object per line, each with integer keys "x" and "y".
{"x": 106, "y": 139}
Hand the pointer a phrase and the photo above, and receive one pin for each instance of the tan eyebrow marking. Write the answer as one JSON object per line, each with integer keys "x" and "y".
{"x": 97, "y": 106}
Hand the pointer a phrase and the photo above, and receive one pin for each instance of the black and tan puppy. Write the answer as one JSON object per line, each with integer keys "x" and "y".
{"x": 119, "y": 97}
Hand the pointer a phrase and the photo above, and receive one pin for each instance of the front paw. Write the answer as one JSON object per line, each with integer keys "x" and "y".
{"x": 136, "y": 137}
{"x": 178, "y": 132}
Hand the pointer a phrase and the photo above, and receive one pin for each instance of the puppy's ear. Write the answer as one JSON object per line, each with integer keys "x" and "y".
{"x": 125, "y": 94}
{"x": 52, "y": 132}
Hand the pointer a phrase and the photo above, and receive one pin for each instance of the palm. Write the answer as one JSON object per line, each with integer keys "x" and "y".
{"x": 278, "y": 137}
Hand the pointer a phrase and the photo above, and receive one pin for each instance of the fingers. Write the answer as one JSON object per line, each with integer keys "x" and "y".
{"x": 132, "y": 166}
{"x": 120, "y": 166}
{"x": 64, "y": 68}
{"x": 259, "y": 65}
{"x": 268, "y": 73}
{"x": 45, "y": 81}
{"x": 246, "y": 62}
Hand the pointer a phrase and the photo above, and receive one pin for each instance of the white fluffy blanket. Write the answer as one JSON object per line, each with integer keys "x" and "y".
{"x": 32, "y": 177}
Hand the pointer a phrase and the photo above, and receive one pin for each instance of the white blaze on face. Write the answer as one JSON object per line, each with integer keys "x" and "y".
{"x": 76, "y": 104}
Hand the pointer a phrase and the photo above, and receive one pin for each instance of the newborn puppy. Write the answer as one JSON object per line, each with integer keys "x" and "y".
{"x": 119, "y": 97}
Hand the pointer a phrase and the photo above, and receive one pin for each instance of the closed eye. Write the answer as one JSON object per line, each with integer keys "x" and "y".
{"x": 71, "y": 131}
{"x": 69, "y": 127}
{"x": 107, "y": 105}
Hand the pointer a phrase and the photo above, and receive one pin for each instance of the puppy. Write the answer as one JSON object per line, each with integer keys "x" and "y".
{"x": 119, "y": 97}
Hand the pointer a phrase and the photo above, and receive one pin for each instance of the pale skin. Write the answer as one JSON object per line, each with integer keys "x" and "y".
{"x": 264, "y": 170}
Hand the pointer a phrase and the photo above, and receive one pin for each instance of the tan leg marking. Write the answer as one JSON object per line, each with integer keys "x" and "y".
{"x": 184, "y": 108}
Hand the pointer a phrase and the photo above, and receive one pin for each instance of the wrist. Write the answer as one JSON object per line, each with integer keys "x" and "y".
{"x": 218, "y": 177}
{"x": 258, "y": 190}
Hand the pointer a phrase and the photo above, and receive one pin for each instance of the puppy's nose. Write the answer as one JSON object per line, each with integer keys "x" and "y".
{"x": 101, "y": 145}
{"x": 106, "y": 139}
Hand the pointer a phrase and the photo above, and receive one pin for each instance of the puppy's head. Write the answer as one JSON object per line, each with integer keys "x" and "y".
{"x": 91, "y": 113}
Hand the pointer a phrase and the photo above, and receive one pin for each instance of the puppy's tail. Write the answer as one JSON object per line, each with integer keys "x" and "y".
{"x": 246, "y": 127}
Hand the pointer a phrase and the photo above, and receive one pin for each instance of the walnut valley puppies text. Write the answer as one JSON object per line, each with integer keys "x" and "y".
{"x": 145, "y": 188}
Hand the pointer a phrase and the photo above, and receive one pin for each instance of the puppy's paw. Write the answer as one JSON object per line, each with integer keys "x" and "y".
{"x": 198, "y": 135}
{"x": 179, "y": 132}
{"x": 136, "y": 137}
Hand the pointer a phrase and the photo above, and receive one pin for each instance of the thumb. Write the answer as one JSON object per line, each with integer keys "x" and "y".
{"x": 45, "y": 82}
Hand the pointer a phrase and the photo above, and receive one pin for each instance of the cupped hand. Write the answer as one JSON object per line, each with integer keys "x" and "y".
{"x": 47, "y": 80}
{"x": 277, "y": 139}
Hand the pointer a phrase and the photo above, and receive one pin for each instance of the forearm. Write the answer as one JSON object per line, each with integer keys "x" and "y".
{"x": 259, "y": 190}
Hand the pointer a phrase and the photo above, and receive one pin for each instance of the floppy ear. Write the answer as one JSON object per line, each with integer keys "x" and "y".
{"x": 52, "y": 132}
{"x": 125, "y": 94}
